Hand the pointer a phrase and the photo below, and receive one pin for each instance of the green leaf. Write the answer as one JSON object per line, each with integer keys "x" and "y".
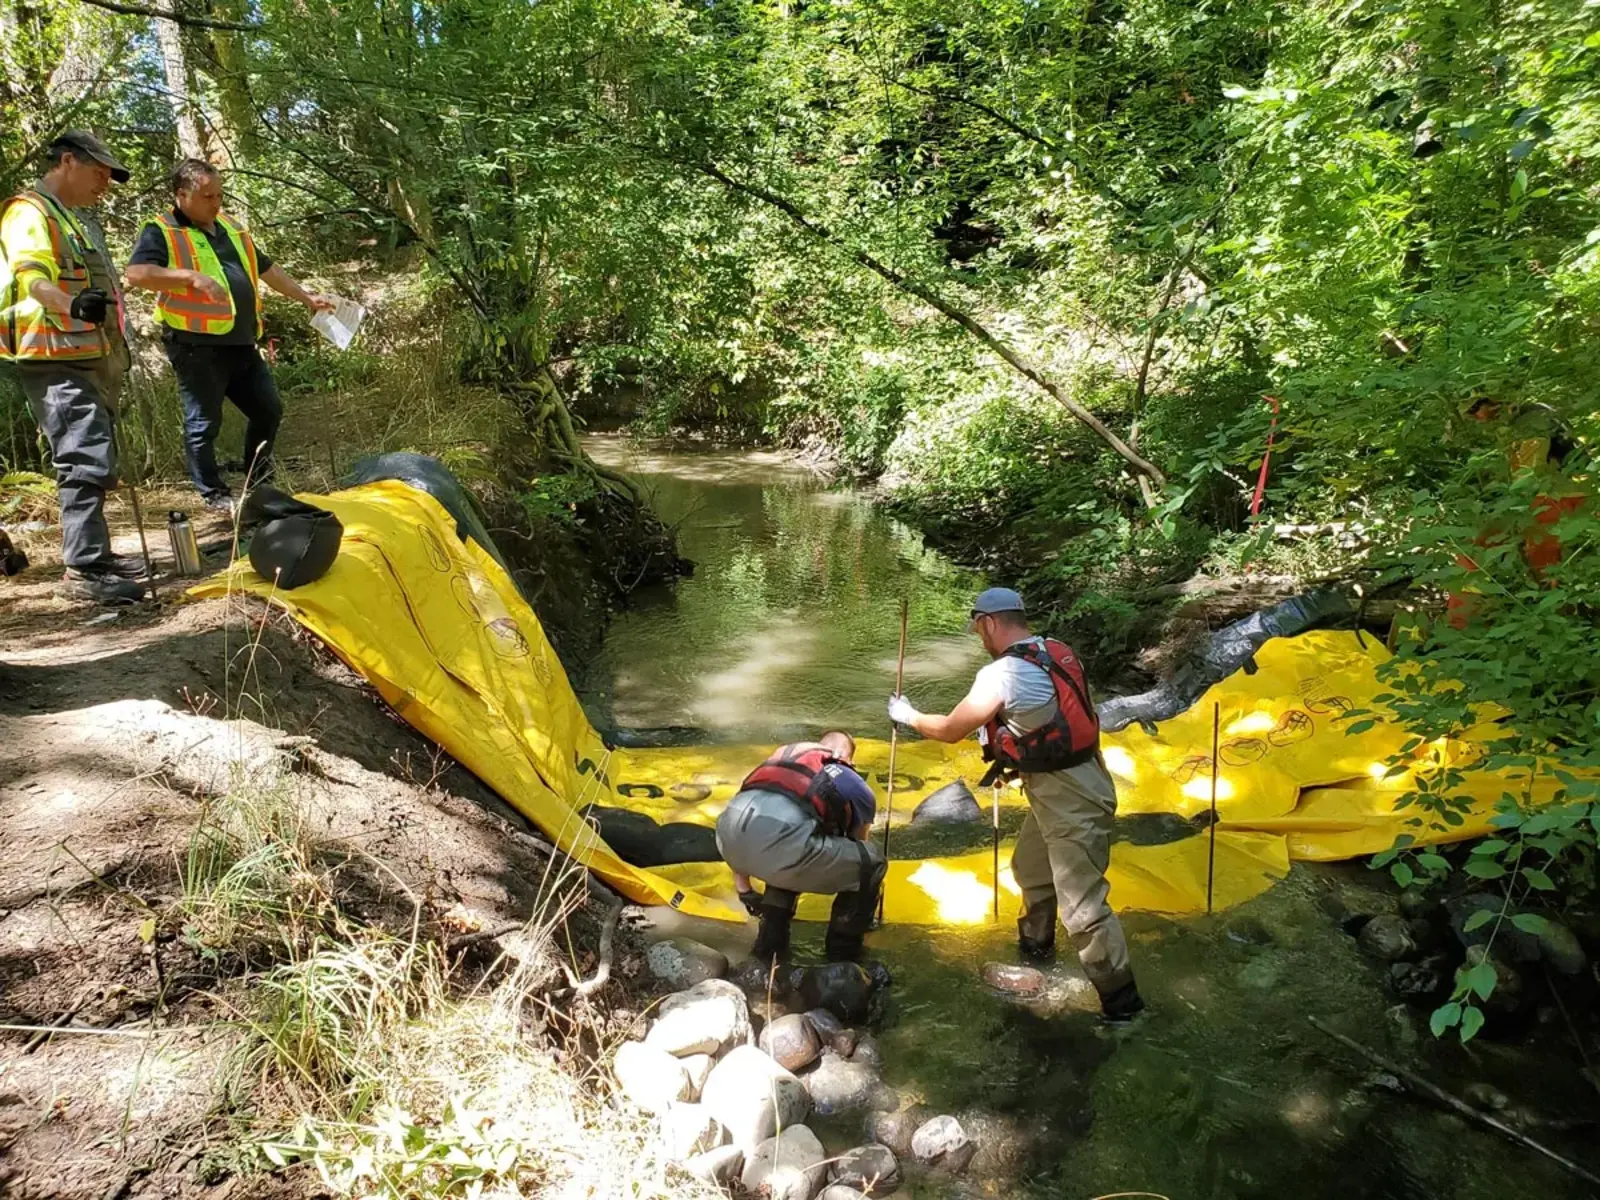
{"x": 1403, "y": 874}
{"x": 1478, "y": 920}
{"x": 1360, "y": 727}
{"x": 1491, "y": 846}
{"x": 1444, "y": 1017}
{"x": 1480, "y": 868}
{"x": 1435, "y": 863}
{"x": 1538, "y": 880}
{"x": 1481, "y": 979}
{"x": 1471, "y": 1022}
{"x": 1531, "y": 923}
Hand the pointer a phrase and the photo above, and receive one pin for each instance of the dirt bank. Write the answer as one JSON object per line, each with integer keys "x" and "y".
{"x": 120, "y": 737}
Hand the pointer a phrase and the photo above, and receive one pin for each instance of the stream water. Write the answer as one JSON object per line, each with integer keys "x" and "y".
{"x": 1224, "y": 1090}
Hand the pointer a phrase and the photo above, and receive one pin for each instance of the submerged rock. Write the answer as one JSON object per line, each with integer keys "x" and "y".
{"x": 709, "y": 1018}
{"x": 872, "y": 1168}
{"x": 1419, "y": 981}
{"x": 1015, "y": 980}
{"x": 838, "y": 1086}
{"x": 753, "y": 1097}
{"x": 790, "y": 1166}
{"x": 639, "y": 840}
{"x": 791, "y": 1041}
{"x": 834, "y": 1033}
{"x": 942, "y": 1143}
{"x": 683, "y": 962}
{"x": 844, "y": 989}
{"x": 896, "y": 1129}
{"x": 953, "y": 804}
{"x": 1248, "y": 931}
{"x": 653, "y": 1079}
{"x": 1415, "y": 904}
{"x": 867, "y": 1053}
{"x": 1388, "y": 938}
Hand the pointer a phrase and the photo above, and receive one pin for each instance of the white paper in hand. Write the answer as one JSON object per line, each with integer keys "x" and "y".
{"x": 340, "y": 325}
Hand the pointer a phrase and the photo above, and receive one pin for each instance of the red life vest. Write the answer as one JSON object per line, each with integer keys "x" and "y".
{"x": 796, "y": 770}
{"x": 1067, "y": 739}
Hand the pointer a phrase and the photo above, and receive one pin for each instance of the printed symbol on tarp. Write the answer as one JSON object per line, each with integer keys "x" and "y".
{"x": 911, "y": 783}
{"x": 1294, "y": 726}
{"x": 433, "y": 549}
{"x": 1198, "y": 764}
{"x": 586, "y": 766}
{"x": 507, "y": 639}
{"x": 1241, "y": 752}
{"x": 691, "y": 793}
{"x": 1329, "y": 706}
{"x": 648, "y": 790}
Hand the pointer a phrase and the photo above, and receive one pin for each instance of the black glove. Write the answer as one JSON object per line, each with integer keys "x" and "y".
{"x": 89, "y": 305}
{"x": 751, "y": 899}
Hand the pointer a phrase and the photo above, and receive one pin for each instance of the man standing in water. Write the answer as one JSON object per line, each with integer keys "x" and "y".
{"x": 799, "y": 823}
{"x": 1037, "y": 721}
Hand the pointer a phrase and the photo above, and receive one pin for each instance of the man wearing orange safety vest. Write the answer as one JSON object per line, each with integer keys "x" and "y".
{"x": 1038, "y": 722}
{"x": 60, "y": 324}
{"x": 206, "y": 270}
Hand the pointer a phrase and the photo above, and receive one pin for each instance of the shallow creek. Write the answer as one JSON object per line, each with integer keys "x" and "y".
{"x": 1224, "y": 1090}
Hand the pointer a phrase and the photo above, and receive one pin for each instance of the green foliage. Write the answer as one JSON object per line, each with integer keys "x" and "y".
{"x": 556, "y": 498}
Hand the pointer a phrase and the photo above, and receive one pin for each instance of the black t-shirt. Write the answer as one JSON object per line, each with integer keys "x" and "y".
{"x": 151, "y": 250}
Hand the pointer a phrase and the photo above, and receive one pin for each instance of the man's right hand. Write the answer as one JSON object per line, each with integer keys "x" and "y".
{"x": 90, "y": 305}
{"x": 208, "y": 287}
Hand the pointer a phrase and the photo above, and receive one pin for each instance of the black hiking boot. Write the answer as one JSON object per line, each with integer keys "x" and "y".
{"x": 123, "y": 566}
{"x": 104, "y": 588}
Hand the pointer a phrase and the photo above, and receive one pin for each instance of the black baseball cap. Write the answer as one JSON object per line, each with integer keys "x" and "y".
{"x": 81, "y": 141}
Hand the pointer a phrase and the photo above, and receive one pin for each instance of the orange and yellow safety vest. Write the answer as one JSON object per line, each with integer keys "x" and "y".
{"x": 189, "y": 310}
{"x": 28, "y": 330}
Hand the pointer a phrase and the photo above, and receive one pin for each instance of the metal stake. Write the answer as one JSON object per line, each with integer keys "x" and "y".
{"x": 894, "y": 745}
{"x": 1216, "y": 767}
{"x": 994, "y": 792}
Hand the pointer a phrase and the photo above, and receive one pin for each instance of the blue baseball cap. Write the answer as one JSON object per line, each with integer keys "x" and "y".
{"x": 996, "y": 600}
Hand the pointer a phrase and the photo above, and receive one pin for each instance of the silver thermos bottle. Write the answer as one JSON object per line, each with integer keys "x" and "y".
{"x": 185, "y": 550}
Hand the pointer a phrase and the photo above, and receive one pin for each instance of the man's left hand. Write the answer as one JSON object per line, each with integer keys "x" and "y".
{"x": 315, "y": 303}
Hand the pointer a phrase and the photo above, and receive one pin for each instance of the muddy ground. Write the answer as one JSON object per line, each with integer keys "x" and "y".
{"x": 116, "y": 734}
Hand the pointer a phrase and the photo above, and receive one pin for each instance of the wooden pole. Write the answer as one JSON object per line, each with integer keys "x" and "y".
{"x": 894, "y": 745}
{"x": 1216, "y": 769}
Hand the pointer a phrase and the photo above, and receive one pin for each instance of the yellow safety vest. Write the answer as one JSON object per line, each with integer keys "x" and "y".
{"x": 28, "y": 330}
{"x": 189, "y": 310}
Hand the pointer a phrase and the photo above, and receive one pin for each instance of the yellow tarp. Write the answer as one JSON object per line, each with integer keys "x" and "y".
{"x": 440, "y": 630}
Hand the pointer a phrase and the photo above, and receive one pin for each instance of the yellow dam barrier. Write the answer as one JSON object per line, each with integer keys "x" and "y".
{"x": 440, "y": 630}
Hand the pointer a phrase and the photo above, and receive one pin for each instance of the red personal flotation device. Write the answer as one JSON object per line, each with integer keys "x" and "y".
{"x": 796, "y": 770}
{"x": 1069, "y": 738}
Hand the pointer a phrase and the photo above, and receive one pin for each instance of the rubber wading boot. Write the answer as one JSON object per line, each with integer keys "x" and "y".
{"x": 1121, "y": 1006}
{"x": 1036, "y": 931}
{"x": 853, "y": 912}
{"x": 772, "y": 935}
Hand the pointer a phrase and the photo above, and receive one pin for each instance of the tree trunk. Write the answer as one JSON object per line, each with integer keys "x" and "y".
{"x": 231, "y": 75}
{"x": 180, "y": 89}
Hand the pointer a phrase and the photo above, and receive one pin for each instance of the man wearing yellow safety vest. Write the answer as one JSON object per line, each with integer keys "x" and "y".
{"x": 60, "y": 323}
{"x": 206, "y": 270}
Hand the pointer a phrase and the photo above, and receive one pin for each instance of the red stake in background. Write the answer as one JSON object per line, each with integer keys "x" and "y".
{"x": 1266, "y": 459}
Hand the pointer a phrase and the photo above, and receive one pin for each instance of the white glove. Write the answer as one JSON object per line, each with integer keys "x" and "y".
{"x": 900, "y": 709}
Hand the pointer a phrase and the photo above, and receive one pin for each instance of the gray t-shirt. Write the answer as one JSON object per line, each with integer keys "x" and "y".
{"x": 1027, "y": 694}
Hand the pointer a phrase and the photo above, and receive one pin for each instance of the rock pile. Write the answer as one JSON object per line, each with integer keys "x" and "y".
{"x": 731, "y": 1090}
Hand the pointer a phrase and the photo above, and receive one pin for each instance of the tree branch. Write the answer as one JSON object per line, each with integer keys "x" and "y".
{"x": 1017, "y": 360}
{"x": 146, "y": 10}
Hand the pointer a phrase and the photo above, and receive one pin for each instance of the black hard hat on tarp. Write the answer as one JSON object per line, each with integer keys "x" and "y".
{"x": 294, "y": 542}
